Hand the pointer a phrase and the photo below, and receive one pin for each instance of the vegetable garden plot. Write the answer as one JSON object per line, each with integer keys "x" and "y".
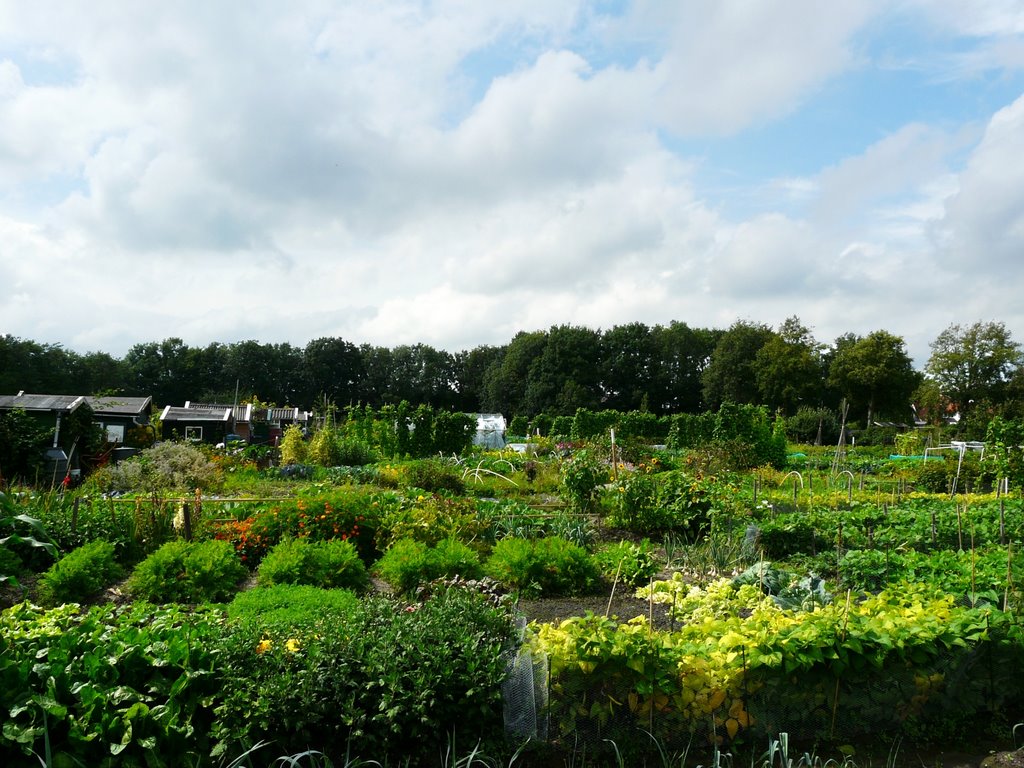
{"x": 908, "y": 661}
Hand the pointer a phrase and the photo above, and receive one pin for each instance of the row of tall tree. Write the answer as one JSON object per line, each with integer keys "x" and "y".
{"x": 673, "y": 368}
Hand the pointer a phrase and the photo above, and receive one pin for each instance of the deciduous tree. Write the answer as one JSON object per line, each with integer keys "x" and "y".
{"x": 974, "y": 363}
{"x": 787, "y": 368}
{"x": 875, "y": 374}
{"x": 730, "y": 375}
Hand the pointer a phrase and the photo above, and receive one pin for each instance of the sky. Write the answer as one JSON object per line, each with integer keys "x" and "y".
{"x": 451, "y": 172}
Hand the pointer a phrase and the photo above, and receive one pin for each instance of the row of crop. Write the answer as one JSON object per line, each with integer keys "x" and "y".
{"x": 991, "y": 573}
{"x": 922, "y": 523}
{"x": 406, "y": 430}
{"x": 299, "y": 667}
{"x": 335, "y": 539}
{"x": 904, "y": 661}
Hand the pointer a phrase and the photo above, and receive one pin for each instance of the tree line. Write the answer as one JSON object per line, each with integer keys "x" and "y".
{"x": 660, "y": 369}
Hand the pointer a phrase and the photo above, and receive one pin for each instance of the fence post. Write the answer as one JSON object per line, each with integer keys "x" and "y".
{"x": 186, "y": 517}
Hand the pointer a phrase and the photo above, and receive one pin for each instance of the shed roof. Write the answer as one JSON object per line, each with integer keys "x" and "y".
{"x": 120, "y": 406}
{"x": 242, "y": 413}
{"x": 21, "y": 401}
{"x": 282, "y": 414}
{"x": 246, "y": 413}
{"x": 211, "y": 413}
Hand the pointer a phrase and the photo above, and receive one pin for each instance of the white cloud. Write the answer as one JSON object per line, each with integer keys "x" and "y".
{"x": 889, "y": 169}
{"x": 980, "y": 18}
{"x": 984, "y": 221}
{"x": 729, "y": 64}
{"x": 453, "y": 172}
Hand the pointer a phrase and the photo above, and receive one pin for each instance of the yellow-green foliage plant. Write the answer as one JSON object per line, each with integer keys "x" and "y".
{"x": 293, "y": 446}
{"x": 740, "y": 667}
{"x": 323, "y": 449}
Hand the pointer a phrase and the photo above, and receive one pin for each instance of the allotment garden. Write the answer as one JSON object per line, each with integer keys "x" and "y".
{"x": 622, "y": 590}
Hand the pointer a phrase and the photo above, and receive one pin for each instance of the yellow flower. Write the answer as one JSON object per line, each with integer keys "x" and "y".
{"x": 291, "y": 645}
{"x": 264, "y": 646}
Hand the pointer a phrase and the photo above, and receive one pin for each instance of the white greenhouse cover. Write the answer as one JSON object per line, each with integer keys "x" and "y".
{"x": 490, "y": 430}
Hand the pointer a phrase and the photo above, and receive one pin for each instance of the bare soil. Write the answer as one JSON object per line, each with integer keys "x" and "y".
{"x": 622, "y": 606}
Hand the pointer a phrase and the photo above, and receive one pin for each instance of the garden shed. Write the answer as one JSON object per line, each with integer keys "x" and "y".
{"x": 241, "y": 416}
{"x": 117, "y": 416}
{"x": 49, "y": 410}
{"x": 197, "y": 424}
{"x": 258, "y": 425}
{"x": 270, "y": 423}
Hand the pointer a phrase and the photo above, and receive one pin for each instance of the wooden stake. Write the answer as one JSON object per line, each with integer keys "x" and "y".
{"x": 612, "y": 595}
{"x": 974, "y": 588}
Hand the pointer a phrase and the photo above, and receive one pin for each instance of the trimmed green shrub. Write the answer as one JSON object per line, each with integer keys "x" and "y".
{"x": 561, "y": 426}
{"x": 541, "y": 423}
{"x": 409, "y": 563}
{"x": 79, "y": 575}
{"x": 745, "y": 432}
{"x": 546, "y": 566}
{"x": 519, "y": 426}
{"x": 813, "y": 425}
{"x": 332, "y": 563}
{"x": 185, "y": 572}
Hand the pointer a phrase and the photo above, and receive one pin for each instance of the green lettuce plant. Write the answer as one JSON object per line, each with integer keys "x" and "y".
{"x": 334, "y": 563}
{"x": 409, "y": 563}
{"x": 188, "y": 572}
{"x": 80, "y": 575}
{"x": 545, "y": 566}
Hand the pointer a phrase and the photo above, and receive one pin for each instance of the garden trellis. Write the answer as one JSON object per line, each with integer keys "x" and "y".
{"x": 961, "y": 447}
